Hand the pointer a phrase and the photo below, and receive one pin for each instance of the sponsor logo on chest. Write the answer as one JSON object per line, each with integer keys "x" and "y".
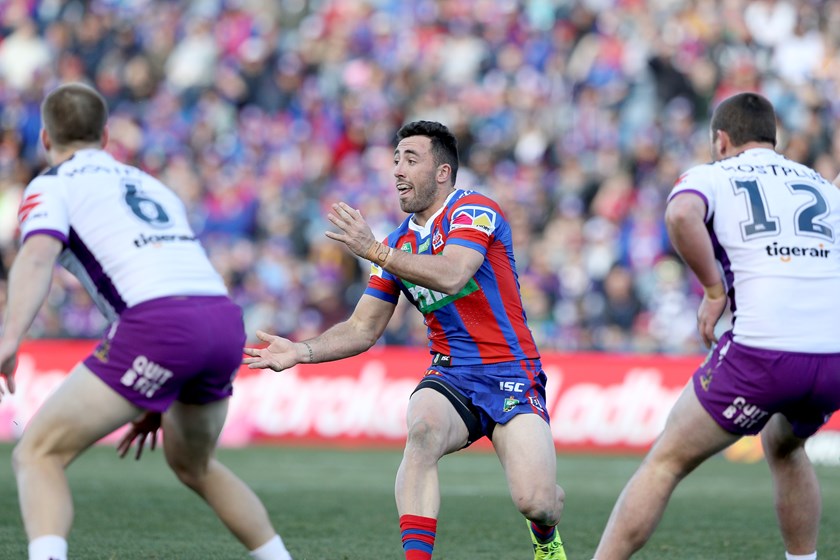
{"x": 786, "y": 253}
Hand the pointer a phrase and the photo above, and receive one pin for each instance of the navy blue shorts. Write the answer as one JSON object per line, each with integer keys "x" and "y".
{"x": 486, "y": 395}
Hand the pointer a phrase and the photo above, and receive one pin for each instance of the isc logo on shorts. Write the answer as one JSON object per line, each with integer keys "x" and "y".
{"x": 511, "y": 386}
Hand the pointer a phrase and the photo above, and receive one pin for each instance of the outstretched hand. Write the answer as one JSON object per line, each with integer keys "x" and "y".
{"x": 280, "y": 353}
{"x": 147, "y": 424}
{"x": 355, "y": 232}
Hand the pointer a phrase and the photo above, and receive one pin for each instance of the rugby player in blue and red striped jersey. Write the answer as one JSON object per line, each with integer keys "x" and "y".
{"x": 453, "y": 259}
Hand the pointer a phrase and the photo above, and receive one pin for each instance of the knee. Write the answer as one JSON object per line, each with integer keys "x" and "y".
{"x": 544, "y": 508}
{"x": 779, "y": 449}
{"x": 785, "y": 454}
{"x": 672, "y": 466}
{"x": 190, "y": 473}
{"x": 20, "y": 457}
{"x": 28, "y": 451}
{"x": 424, "y": 440}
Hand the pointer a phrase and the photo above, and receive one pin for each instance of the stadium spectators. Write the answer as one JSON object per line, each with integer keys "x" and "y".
{"x": 577, "y": 116}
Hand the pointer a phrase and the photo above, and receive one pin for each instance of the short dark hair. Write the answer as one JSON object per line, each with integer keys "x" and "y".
{"x": 746, "y": 117}
{"x": 74, "y": 112}
{"x": 444, "y": 143}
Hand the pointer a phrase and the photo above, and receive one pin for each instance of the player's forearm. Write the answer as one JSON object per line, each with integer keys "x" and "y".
{"x": 339, "y": 341}
{"x": 29, "y": 284}
{"x": 435, "y": 272}
{"x": 690, "y": 238}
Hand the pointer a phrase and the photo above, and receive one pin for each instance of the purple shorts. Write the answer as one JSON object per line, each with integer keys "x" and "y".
{"x": 741, "y": 387}
{"x": 175, "y": 348}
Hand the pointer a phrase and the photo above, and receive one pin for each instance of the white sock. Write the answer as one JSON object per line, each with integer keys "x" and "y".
{"x": 812, "y": 556}
{"x": 274, "y": 549}
{"x": 48, "y": 547}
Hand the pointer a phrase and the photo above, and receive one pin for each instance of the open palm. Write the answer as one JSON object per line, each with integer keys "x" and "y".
{"x": 280, "y": 353}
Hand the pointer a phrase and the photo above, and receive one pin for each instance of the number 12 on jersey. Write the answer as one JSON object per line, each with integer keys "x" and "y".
{"x": 762, "y": 223}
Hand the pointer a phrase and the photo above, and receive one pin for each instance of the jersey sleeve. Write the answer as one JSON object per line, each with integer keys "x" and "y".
{"x": 382, "y": 284}
{"x": 473, "y": 222}
{"x": 698, "y": 180}
{"x": 44, "y": 209}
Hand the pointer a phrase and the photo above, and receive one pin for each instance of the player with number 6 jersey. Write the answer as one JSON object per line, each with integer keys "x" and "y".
{"x": 125, "y": 234}
{"x": 170, "y": 353}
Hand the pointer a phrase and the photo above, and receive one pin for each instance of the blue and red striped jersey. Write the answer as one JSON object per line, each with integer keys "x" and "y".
{"x": 485, "y": 322}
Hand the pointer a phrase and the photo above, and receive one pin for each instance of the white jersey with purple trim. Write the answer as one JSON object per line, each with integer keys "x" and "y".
{"x": 775, "y": 225}
{"x": 126, "y": 235}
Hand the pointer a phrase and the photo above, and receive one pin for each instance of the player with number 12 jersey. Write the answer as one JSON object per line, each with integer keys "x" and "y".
{"x": 774, "y": 224}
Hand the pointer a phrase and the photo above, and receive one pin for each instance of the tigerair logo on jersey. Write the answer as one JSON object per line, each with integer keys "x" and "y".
{"x": 787, "y": 253}
{"x": 142, "y": 240}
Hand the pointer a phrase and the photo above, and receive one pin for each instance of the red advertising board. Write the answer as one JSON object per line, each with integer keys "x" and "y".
{"x": 597, "y": 402}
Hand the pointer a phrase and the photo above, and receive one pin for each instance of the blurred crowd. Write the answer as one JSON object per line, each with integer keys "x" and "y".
{"x": 576, "y": 115}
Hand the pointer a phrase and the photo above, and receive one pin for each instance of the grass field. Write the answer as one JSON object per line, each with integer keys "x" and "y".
{"x": 338, "y": 505}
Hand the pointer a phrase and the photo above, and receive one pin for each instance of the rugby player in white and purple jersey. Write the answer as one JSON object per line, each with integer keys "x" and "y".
{"x": 762, "y": 232}
{"x": 175, "y": 338}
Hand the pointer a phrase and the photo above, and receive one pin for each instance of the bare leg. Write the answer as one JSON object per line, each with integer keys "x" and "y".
{"x": 81, "y": 411}
{"x": 190, "y": 435}
{"x": 690, "y": 437}
{"x": 797, "y": 490}
{"x": 434, "y": 429}
{"x": 526, "y": 450}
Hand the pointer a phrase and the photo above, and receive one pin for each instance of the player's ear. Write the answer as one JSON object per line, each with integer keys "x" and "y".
{"x": 724, "y": 142}
{"x": 105, "y": 136}
{"x": 721, "y": 144}
{"x": 444, "y": 171}
{"x": 45, "y": 140}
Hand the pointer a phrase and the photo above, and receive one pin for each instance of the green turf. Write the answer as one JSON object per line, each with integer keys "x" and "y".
{"x": 338, "y": 505}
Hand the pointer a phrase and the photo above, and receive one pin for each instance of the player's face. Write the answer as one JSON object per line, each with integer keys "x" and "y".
{"x": 415, "y": 170}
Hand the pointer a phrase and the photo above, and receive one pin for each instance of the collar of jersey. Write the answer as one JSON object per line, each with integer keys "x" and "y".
{"x": 89, "y": 152}
{"x": 425, "y": 230}
{"x": 759, "y": 151}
